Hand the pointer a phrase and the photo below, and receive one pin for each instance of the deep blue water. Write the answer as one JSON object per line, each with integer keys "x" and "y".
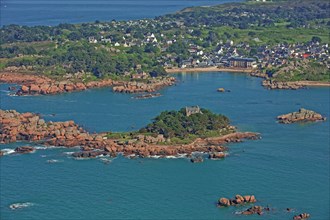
{"x": 52, "y": 12}
{"x": 288, "y": 167}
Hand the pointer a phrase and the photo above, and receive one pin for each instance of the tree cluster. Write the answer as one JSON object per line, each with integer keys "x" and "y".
{"x": 177, "y": 124}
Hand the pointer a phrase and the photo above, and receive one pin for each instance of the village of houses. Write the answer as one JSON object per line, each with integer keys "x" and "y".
{"x": 226, "y": 54}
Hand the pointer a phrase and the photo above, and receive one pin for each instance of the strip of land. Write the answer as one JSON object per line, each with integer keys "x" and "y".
{"x": 272, "y": 84}
{"x": 208, "y": 69}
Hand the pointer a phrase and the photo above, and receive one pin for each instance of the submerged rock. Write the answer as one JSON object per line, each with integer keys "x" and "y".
{"x": 198, "y": 159}
{"x": 24, "y": 150}
{"x": 303, "y": 115}
{"x": 217, "y": 155}
{"x": 253, "y": 210}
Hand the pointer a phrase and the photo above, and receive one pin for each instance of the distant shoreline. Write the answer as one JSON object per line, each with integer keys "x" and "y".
{"x": 304, "y": 83}
{"x": 208, "y": 69}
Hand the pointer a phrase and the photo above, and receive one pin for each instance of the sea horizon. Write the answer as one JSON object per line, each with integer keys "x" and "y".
{"x": 51, "y": 13}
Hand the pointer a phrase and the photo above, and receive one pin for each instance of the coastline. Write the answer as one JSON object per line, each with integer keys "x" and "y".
{"x": 207, "y": 69}
{"x": 272, "y": 84}
{"x": 33, "y": 84}
{"x": 313, "y": 83}
{"x": 297, "y": 84}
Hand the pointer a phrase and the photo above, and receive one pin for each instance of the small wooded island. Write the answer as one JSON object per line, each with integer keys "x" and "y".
{"x": 172, "y": 133}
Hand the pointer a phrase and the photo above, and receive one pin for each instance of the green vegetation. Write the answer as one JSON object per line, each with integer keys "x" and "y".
{"x": 178, "y": 126}
{"x": 303, "y": 70}
{"x": 118, "y": 49}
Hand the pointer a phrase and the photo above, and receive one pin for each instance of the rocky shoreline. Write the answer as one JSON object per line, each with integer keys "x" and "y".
{"x": 41, "y": 85}
{"x": 272, "y": 84}
{"x": 302, "y": 115}
{"x": 32, "y": 128}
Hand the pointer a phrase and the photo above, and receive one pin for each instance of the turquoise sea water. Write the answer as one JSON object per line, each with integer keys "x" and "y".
{"x": 52, "y": 12}
{"x": 288, "y": 167}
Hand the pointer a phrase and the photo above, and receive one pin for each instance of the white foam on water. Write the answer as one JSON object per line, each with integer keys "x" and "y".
{"x": 8, "y": 151}
{"x": 105, "y": 160}
{"x": 68, "y": 153}
{"x": 54, "y": 161}
{"x": 171, "y": 157}
{"x": 182, "y": 155}
{"x": 81, "y": 158}
{"x": 48, "y": 147}
{"x": 15, "y": 206}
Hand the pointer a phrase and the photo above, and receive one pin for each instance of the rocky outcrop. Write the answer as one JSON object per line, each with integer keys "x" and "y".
{"x": 221, "y": 90}
{"x": 303, "y": 115}
{"x": 24, "y": 150}
{"x": 271, "y": 84}
{"x": 238, "y": 200}
{"x": 137, "y": 87}
{"x": 41, "y": 85}
{"x": 301, "y": 216}
{"x": 217, "y": 155}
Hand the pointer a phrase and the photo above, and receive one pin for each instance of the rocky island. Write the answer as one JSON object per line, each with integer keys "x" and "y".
{"x": 303, "y": 115}
{"x": 172, "y": 133}
{"x": 238, "y": 200}
{"x": 32, "y": 84}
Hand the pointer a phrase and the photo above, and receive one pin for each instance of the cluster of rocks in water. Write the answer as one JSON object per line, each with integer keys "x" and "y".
{"x": 301, "y": 216}
{"x": 31, "y": 127}
{"x": 303, "y": 115}
{"x": 41, "y": 85}
{"x": 239, "y": 200}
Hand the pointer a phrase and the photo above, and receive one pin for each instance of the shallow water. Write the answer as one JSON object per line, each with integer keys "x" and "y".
{"x": 51, "y": 12}
{"x": 288, "y": 167}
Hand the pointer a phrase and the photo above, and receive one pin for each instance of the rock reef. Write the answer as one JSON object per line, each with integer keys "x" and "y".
{"x": 303, "y": 115}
